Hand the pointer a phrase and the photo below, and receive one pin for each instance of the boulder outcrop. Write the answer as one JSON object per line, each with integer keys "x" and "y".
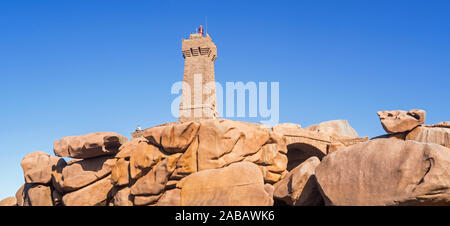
{"x": 95, "y": 194}
{"x": 238, "y": 184}
{"x": 78, "y": 174}
{"x": 10, "y": 201}
{"x": 212, "y": 162}
{"x": 148, "y": 170}
{"x": 37, "y": 167}
{"x": 39, "y": 195}
{"x": 435, "y": 134}
{"x": 386, "y": 172}
{"x": 401, "y": 121}
{"x": 212, "y": 144}
{"x": 442, "y": 124}
{"x": 122, "y": 198}
{"x": 299, "y": 186}
{"x": 89, "y": 145}
{"x": 305, "y": 143}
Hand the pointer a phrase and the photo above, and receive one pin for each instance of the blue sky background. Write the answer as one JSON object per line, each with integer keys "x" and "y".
{"x": 76, "y": 67}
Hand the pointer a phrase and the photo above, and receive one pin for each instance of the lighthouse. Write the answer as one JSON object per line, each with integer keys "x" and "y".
{"x": 198, "y": 97}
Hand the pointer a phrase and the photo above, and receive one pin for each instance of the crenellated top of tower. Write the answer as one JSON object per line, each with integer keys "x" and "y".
{"x": 199, "y": 45}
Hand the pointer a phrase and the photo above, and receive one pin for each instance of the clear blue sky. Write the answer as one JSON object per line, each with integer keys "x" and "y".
{"x": 76, "y": 67}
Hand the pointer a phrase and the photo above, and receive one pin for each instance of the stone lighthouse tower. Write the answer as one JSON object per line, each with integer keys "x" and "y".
{"x": 198, "y": 97}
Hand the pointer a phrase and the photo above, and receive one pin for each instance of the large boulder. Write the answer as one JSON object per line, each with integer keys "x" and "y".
{"x": 401, "y": 121}
{"x": 38, "y": 195}
{"x": 89, "y": 145}
{"x": 78, "y": 174}
{"x": 37, "y": 167}
{"x": 299, "y": 187}
{"x": 437, "y": 134}
{"x": 94, "y": 194}
{"x": 240, "y": 184}
{"x": 10, "y": 201}
{"x": 337, "y": 128}
{"x": 386, "y": 172}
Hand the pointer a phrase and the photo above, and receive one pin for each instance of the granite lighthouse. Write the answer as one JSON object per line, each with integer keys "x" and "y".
{"x": 198, "y": 98}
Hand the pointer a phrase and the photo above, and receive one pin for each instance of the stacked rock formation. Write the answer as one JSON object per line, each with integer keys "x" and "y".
{"x": 401, "y": 121}
{"x": 386, "y": 172}
{"x": 408, "y": 125}
{"x": 85, "y": 180}
{"x": 408, "y": 166}
{"x": 163, "y": 166}
{"x": 217, "y": 162}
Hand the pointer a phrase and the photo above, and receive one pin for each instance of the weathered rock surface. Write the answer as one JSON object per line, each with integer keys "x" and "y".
{"x": 426, "y": 134}
{"x": 222, "y": 142}
{"x": 89, "y": 145}
{"x": 401, "y": 121}
{"x": 269, "y": 191}
{"x": 78, "y": 174}
{"x": 10, "y": 201}
{"x": 212, "y": 144}
{"x": 281, "y": 126}
{"x": 173, "y": 138}
{"x": 123, "y": 197}
{"x": 144, "y": 157}
{"x": 339, "y": 128}
{"x": 154, "y": 182}
{"x": 20, "y": 195}
{"x": 170, "y": 198}
{"x": 120, "y": 173}
{"x": 39, "y": 195}
{"x": 442, "y": 124}
{"x": 37, "y": 167}
{"x": 238, "y": 184}
{"x": 128, "y": 147}
{"x": 386, "y": 172}
{"x": 146, "y": 200}
{"x": 92, "y": 195}
{"x": 304, "y": 143}
{"x": 299, "y": 187}
{"x": 187, "y": 163}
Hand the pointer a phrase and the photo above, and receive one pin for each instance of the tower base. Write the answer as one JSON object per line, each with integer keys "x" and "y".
{"x": 195, "y": 113}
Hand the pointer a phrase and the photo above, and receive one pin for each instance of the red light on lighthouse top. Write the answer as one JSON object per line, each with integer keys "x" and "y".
{"x": 200, "y": 30}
